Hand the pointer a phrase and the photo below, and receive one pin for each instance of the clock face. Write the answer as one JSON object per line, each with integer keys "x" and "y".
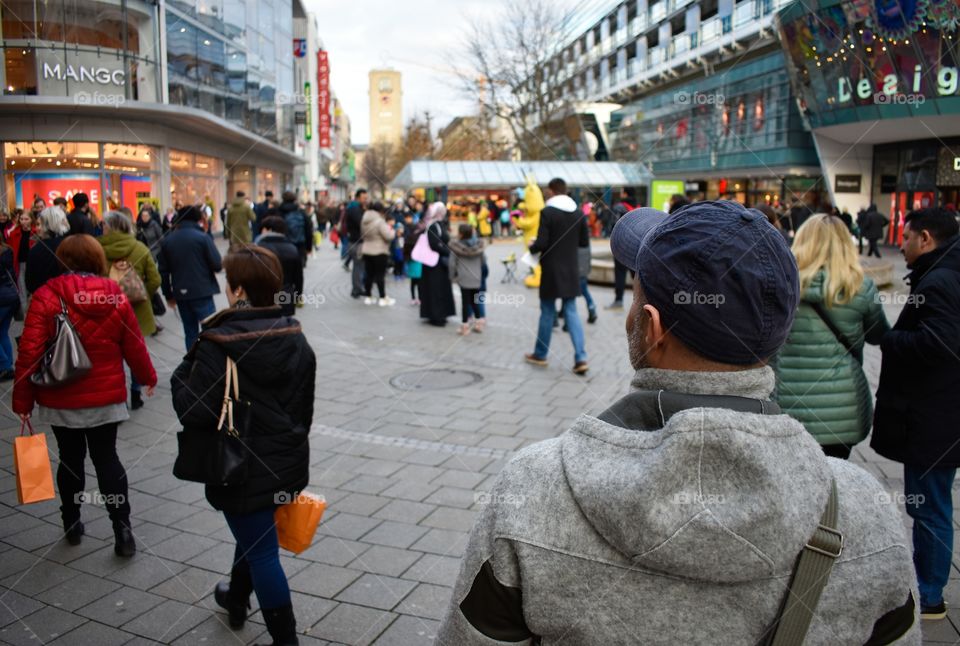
{"x": 385, "y": 100}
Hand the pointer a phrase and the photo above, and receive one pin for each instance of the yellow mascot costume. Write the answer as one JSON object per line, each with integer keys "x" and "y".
{"x": 529, "y": 223}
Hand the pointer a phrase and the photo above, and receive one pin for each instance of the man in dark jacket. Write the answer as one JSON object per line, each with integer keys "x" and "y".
{"x": 872, "y": 229}
{"x": 299, "y": 227}
{"x": 188, "y": 260}
{"x": 274, "y": 237}
{"x": 620, "y": 209}
{"x": 915, "y": 420}
{"x": 79, "y": 217}
{"x": 563, "y": 229}
{"x": 354, "y": 216}
{"x": 260, "y": 211}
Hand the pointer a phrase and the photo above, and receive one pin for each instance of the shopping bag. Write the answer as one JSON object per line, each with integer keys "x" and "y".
{"x": 297, "y": 521}
{"x": 32, "y": 465}
{"x": 422, "y": 252}
{"x": 529, "y": 260}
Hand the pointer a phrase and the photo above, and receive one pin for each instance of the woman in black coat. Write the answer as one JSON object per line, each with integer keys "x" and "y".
{"x": 42, "y": 263}
{"x": 436, "y": 293}
{"x": 276, "y": 373}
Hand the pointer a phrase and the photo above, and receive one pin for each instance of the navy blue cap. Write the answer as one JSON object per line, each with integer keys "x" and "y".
{"x": 629, "y": 232}
{"x": 722, "y": 277}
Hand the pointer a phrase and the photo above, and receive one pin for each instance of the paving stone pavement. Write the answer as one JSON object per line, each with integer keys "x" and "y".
{"x": 404, "y": 472}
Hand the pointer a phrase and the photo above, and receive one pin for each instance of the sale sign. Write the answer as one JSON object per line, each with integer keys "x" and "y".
{"x": 30, "y": 186}
{"x": 323, "y": 98}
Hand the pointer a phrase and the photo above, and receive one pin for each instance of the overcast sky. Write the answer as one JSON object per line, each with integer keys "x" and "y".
{"x": 418, "y": 38}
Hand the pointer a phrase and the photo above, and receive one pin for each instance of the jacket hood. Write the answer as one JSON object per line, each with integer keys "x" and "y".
{"x": 715, "y": 495}
{"x": 562, "y": 202}
{"x": 288, "y": 207}
{"x": 466, "y": 250}
{"x": 117, "y": 245}
{"x": 265, "y": 344}
{"x": 238, "y": 201}
{"x": 92, "y": 296}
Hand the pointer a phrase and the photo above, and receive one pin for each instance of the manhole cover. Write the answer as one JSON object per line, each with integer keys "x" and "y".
{"x": 438, "y": 379}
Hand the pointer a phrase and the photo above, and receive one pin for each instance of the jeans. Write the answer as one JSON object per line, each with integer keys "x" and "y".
{"x": 548, "y": 314}
{"x": 591, "y": 306}
{"x": 6, "y": 350}
{"x": 72, "y": 444}
{"x": 257, "y": 546}
{"x": 356, "y": 272}
{"x": 929, "y": 503}
{"x": 191, "y": 313}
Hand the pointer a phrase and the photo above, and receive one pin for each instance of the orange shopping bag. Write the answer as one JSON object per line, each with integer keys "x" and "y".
{"x": 297, "y": 521}
{"x": 32, "y": 465}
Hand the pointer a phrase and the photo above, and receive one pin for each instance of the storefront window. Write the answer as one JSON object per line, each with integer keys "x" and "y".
{"x": 268, "y": 180}
{"x": 23, "y": 156}
{"x": 195, "y": 179}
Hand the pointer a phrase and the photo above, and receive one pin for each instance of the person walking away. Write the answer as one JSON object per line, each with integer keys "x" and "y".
{"x": 354, "y": 241}
{"x": 21, "y": 238}
{"x": 85, "y": 413}
{"x": 466, "y": 269}
{"x": 620, "y": 209}
{"x": 239, "y": 218}
{"x": 915, "y": 422}
{"x": 276, "y": 373}
{"x": 377, "y": 236}
{"x": 42, "y": 263}
{"x": 693, "y": 495}
{"x": 563, "y": 229}
{"x": 260, "y": 210}
{"x": 436, "y": 293}
{"x": 820, "y": 379}
{"x": 273, "y": 237}
{"x": 149, "y": 231}
{"x": 872, "y": 229}
{"x": 9, "y": 304}
{"x": 125, "y": 254}
{"x": 584, "y": 259}
{"x": 299, "y": 229}
{"x": 189, "y": 261}
{"x": 413, "y": 269}
{"x": 79, "y": 218}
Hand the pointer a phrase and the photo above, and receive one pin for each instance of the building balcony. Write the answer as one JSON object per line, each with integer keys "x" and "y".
{"x": 744, "y": 12}
{"x": 637, "y": 25}
{"x": 620, "y": 37}
{"x": 655, "y": 56}
{"x": 634, "y": 67}
{"x": 658, "y": 11}
{"x": 679, "y": 44}
{"x": 710, "y": 30}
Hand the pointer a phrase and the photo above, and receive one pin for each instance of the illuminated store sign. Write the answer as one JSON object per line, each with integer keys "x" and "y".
{"x": 83, "y": 74}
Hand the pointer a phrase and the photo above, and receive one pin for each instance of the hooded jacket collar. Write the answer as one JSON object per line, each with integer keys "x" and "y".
{"x": 946, "y": 255}
{"x": 756, "y": 383}
{"x": 562, "y": 202}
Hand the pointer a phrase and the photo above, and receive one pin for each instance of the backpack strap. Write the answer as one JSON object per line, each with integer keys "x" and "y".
{"x": 809, "y": 578}
{"x": 841, "y": 337}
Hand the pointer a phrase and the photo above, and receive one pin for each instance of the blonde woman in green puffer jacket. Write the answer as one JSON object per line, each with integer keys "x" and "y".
{"x": 820, "y": 381}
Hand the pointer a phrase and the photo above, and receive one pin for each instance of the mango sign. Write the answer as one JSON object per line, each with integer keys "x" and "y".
{"x": 29, "y": 186}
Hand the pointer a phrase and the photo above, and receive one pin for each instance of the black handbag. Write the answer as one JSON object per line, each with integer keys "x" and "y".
{"x": 65, "y": 359}
{"x": 156, "y": 302}
{"x": 218, "y": 456}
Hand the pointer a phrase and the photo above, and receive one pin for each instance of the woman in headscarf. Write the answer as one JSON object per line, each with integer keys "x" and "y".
{"x": 436, "y": 294}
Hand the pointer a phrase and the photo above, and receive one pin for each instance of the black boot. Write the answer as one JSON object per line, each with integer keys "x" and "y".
{"x": 136, "y": 401}
{"x": 73, "y": 531}
{"x": 124, "y": 545}
{"x": 234, "y": 597}
{"x": 593, "y": 317}
{"x": 282, "y": 626}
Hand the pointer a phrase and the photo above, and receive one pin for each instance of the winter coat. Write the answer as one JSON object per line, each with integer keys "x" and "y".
{"x": 188, "y": 262}
{"x": 918, "y": 400}
{"x": 466, "y": 263}
{"x": 240, "y": 216}
{"x": 9, "y": 295}
{"x": 436, "y": 293}
{"x": 108, "y": 330}
{"x": 14, "y": 235}
{"x": 639, "y": 519}
{"x": 289, "y": 257}
{"x": 354, "y": 215}
{"x": 818, "y": 382}
{"x": 80, "y": 222}
{"x": 276, "y": 370}
{"x": 376, "y": 233}
{"x": 151, "y": 235}
{"x": 873, "y": 224}
{"x": 42, "y": 263}
{"x": 297, "y": 221}
{"x": 563, "y": 229}
{"x": 124, "y": 246}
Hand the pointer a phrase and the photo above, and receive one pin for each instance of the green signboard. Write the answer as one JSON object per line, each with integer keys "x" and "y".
{"x": 662, "y": 190}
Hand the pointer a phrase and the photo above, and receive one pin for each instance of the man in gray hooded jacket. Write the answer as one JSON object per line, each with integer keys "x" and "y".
{"x": 677, "y": 515}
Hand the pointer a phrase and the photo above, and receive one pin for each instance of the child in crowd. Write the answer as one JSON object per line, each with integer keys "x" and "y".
{"x": 466, "y": 269}
{"x": 413, "y": 269}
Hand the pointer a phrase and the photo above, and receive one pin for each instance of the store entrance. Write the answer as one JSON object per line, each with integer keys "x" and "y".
{"x": 901, "y": 203}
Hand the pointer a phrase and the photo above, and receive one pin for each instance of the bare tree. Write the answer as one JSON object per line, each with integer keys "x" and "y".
{"x": 417, "y": 142}
{"x": 513, "y": 57}
{"x": 377, "y": 166}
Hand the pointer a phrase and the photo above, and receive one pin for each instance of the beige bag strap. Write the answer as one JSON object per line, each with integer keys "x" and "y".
{"x": 226, "y": 410}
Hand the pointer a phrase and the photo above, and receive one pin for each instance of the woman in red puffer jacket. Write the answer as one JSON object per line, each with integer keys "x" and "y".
{"x": 85, "y": 413}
